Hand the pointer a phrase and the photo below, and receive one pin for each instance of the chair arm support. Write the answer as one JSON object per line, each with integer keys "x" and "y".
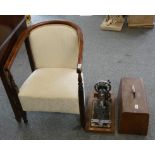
{"x": 11, "y": 81}
{"x": 81, "y": 95}
{"x": 15, "y": 49}
{"x": 13, "y": 95}
{"x": 79, "y": 68}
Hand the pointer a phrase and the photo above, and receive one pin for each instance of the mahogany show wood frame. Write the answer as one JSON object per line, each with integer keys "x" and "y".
{"x": 12, "y": 87}
{"x": 17, "y": 24}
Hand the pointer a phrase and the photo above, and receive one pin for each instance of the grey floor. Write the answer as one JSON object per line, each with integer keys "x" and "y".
{"x": 107, "y": 55}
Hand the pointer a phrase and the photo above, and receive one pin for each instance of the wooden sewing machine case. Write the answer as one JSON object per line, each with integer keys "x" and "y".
{"x": 133, "y": 107}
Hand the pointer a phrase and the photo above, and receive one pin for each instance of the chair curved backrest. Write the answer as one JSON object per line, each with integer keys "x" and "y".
{"x": 54, "y": 46}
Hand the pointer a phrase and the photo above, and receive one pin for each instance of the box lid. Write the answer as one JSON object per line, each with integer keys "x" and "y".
{"x": 133, "y": 96}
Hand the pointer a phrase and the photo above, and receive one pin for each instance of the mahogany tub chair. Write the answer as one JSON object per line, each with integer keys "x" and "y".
{"x": 56, "y": 83}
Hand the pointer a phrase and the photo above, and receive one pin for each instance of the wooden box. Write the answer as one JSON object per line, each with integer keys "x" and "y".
{"x": 140, "y": 21}
{"x": 133, "y": 107}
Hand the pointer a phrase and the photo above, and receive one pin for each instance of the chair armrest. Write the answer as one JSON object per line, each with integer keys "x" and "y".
{"x": 80, "y": 56}
{"x": 15, "y": 49}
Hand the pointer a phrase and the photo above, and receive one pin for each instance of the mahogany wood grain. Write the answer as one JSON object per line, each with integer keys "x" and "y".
{"x": 29, "y": 53}
{"x": 133, "y": 109}
{"x": 16, "y": 25}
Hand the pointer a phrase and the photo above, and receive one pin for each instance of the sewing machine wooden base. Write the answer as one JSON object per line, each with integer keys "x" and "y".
{"x": 89, "y": 111}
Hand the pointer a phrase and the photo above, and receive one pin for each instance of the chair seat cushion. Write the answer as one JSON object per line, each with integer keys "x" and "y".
{"x": 51, "y": 90}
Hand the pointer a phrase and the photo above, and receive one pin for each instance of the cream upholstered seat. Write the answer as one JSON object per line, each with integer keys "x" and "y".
{"x": 56, "y": 83}
{"x": 51, "y": 89}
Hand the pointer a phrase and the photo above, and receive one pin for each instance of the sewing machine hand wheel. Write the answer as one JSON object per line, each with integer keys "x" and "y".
{"x": 102, "y": 86}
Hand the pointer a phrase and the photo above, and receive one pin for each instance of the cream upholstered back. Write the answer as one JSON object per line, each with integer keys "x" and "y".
{"x": 54, "y": 46}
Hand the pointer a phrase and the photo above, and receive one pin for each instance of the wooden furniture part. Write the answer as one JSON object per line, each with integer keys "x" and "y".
{"x": 113, "y": 23}
{"x": 89, "y": 109}
{"x": 56, "y": 84}
{"x": 10, "y": 28}
{"x": 145, "y": 21}
{"x": 133, "y": 107}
